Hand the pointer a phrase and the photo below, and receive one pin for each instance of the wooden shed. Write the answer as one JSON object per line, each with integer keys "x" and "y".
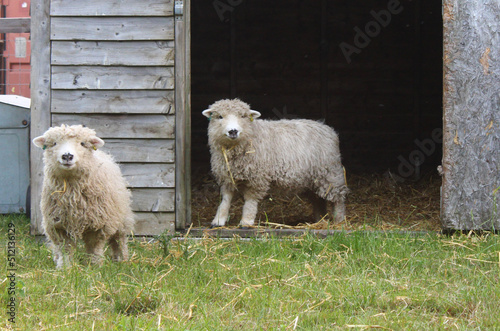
{"x": 390, "y": 76}
{"x": 120, "y": 67}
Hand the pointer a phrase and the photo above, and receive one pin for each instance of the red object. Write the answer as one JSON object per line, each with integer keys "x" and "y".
{"x": 16, "y": 53}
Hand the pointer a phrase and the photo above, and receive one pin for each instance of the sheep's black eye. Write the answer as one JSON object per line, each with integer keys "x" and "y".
{"x": 54, "y": 144}
{"x": 220, "y": 117}
{"x": 48, "y": 145}
{"x": 83, "y": 144}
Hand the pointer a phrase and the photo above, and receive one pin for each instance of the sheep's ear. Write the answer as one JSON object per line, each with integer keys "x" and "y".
{"x": 97, "y": 142}
{"x": 39, "y": 142}
{"x": 207, "y": 113}
{"x": 254, "y": 114}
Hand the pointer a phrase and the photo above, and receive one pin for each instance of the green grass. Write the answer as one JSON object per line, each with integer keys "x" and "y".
{"x": 348, "y": 281}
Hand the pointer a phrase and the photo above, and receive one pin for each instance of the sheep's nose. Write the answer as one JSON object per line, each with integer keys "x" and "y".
{"x": 67, "y": 157}
{"x": 233, "y": 133}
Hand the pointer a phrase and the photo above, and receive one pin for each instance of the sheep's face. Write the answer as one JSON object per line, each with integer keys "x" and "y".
{"x": 65, "y": 146}
{"x": 229, "y": 120}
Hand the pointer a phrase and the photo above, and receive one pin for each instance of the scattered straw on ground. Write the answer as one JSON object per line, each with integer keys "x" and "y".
{"x": 376, "y": 202}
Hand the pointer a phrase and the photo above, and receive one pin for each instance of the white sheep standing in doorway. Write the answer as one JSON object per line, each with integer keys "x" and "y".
{"x": 249, "y": 154}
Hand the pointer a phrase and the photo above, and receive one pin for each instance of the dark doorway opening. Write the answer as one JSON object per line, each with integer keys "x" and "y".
{"x": 372, "y": 70}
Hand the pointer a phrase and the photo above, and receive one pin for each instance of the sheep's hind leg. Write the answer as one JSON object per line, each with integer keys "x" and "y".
{"x": 319, "y": 206}
{"x": 223, "y": 211}
{"x": 334, "y": 189}
{"x": 119, "y": 247}
{"x": 339, "y": 200}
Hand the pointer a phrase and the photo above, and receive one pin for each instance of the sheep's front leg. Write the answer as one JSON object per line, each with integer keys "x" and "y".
{"x": 62, "y": 247}
{"x": 339, "y": 211}
{"x": 95, "y": 242}
{"x": 249, "y": 208}
{"x": 63, "y": 254}
{"x": 222, "y": 215}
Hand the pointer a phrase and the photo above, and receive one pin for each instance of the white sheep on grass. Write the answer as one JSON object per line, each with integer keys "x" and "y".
{"x": 248, "y": 155}
{"x": 84, "y": 195}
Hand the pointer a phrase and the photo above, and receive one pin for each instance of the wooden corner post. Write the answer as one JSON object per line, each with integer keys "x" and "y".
{"x": 470, "y": 197}
{"x": 183, "y": 113}
{"x": 40, "y": 100}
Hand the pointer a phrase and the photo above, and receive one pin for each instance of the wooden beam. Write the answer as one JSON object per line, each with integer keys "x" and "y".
{"x": 281, "y": 233}
{"x": 113, "y": 102}
{"x": 147, "y": 224}
{"x": 15, "y": 25}
{"x": 183, "y": 118}
{"x": 471, "y": 99}
{"x": 112, "y": 8}
{"x": 144, "y": 150}
{"x": 112, "y": 78}
{"x": 122, "y": 126}
{"x": 187, "y": 109}
{"x": 112, "y": 28}
{"x": 149, "y": 175}
{"x": 153, "y": 199}
{"x": 40, "y": 100}
{"x": 112, "y": 53}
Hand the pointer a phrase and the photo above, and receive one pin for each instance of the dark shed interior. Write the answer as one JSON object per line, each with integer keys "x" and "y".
{"x": 370, "y": 69}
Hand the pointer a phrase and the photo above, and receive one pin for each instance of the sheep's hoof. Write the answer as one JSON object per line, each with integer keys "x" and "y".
{"x": 212, "y": 226}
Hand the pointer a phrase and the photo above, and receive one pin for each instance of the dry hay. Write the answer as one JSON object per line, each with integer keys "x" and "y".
{"x": 376, "y": 202}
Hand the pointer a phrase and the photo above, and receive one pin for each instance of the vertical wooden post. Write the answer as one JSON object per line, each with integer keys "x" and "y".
{"x": 183, "y": 118}
{"x": 187, "y": 108}
{"x": 471, "y": 139}
{"x": 40, "y": 99}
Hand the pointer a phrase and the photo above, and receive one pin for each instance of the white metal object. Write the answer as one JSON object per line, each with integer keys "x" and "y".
{"x": 178, "y": 10}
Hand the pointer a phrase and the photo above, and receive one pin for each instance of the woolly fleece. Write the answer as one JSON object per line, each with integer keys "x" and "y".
{"x": 296, "y": 155}
{"x": 89, "y": 201}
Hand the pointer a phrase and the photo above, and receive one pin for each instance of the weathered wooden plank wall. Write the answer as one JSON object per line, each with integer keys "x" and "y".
{"x": 159, "y": 53}
{"x": 122, "y": 126}
{"x": 471, "y": 158}
{"x": 112, "y": 8}
{"x": 112, "y": 28}
{"x": 143, "y": 101}
{"x": 112, "y": 78}
{"x": 112, "y": 69}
